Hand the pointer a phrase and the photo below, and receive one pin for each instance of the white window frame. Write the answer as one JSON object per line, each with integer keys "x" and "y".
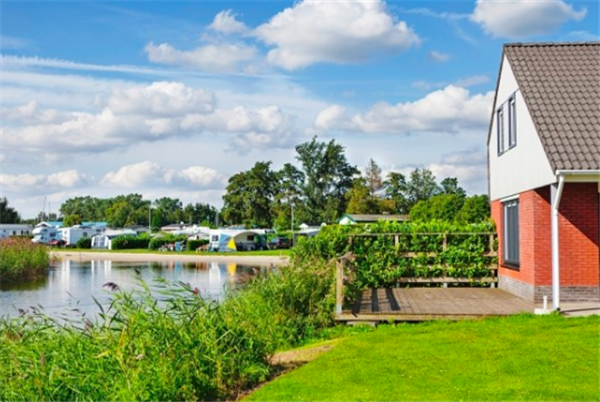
{"x": 500, "y": 129}
{"x": 512, "y": 122}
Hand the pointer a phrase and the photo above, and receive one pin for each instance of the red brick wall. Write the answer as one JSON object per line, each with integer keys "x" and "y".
{"x": 578, "y": 234}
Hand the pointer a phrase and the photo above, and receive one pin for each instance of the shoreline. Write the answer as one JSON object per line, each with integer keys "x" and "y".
{"x": 167, "y": 256}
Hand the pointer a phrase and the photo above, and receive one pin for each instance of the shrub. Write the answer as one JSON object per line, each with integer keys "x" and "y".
{"x": 380, "y": 262}
{"x": 159, "y": 241}
{"x": 22, "y": 259}
{"x": 84, "y": 242}
{"x": 192, "y": 245}
{"x": 127, "y": 242}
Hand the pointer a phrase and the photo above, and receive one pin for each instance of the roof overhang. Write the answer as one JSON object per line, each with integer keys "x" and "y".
{"x": 579, "y": 176}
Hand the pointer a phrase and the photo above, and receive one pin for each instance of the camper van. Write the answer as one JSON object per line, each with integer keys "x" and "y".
{"x": 71, "y": 235}
{"x": 237, "y": 240}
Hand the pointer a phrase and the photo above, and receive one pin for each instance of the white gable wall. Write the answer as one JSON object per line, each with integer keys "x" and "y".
{"x": 525, "y": 166}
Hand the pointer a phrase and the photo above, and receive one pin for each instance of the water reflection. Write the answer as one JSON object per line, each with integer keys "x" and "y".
{"x": 71, "y": 284}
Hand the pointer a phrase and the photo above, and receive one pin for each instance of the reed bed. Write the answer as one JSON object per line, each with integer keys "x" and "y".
{"x": 178, "y": 346}
{"x": 21, "y": 259}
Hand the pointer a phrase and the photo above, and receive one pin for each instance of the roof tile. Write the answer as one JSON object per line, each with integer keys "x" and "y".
{"x": 560, "y": 83}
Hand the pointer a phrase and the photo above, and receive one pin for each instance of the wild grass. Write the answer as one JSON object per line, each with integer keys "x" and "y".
{"x": 21, "y": 259}
{"x": 519, "y": 358}
{"x": 175, "y": 347}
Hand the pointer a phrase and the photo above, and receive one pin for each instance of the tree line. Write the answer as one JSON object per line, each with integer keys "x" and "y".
{"x": 321, "y": 187}
{"x": 324, "y": 186}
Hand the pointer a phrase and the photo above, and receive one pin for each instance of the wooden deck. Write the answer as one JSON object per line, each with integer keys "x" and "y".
{"x": 421, "y": 304}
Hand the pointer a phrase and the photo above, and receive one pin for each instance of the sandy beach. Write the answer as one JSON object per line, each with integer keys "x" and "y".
{"x": 168, "y": 256}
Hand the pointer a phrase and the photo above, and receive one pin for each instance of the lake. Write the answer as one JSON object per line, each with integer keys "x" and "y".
{"x": 71, "y": 284}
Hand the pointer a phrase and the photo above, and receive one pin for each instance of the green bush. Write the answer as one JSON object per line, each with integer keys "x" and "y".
{"x": 162, "y": 240}
{"x": 22, "y": 259}
{"x": 192, "y": 245}
{"x": 84, "y": 242}
{"x": 380, "y": 262}
{"x": 127, "y": 242}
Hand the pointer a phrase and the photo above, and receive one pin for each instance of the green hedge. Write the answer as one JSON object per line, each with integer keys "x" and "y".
{"x": 380, "y": 262}
{"x": 127, "y": 242}
{"x": 192, "y": 245}
{"x": 159, "y": 241}
{"x": 84, "y": 242}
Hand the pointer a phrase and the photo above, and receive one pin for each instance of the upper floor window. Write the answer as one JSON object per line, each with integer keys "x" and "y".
{"x": 512, "y": 122}
{"x": 506, "y": 125}
{"x": 500, "y": 126}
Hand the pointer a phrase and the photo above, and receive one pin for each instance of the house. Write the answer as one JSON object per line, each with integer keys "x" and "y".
{"x": 14, "y": 229}
{"x": 544, "y": 170}
{"x": 352, "y": 219}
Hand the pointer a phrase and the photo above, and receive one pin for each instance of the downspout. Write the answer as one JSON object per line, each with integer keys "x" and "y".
{"x": 556, "y": 196}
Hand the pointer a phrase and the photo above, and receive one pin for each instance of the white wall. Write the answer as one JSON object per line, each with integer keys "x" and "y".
{"x": 525, "y": 166}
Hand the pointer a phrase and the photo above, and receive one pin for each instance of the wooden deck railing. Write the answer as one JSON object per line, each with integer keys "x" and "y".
{"x": 343, "y": 261}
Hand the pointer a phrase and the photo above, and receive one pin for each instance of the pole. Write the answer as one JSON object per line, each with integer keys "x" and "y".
{"x": 150, "y": 218}
{"x": 292, "y": 224}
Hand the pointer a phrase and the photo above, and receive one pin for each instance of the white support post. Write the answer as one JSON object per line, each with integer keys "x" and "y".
{"x": 556, "y": 194}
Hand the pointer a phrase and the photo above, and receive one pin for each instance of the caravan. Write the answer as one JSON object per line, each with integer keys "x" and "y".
{"x": 237, "y": 240}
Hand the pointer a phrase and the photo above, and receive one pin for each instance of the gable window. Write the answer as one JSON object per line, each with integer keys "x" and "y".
{"x": 510, "y": 212}
{"x": 512, "y": 122}
{"x": 500, "y": 129}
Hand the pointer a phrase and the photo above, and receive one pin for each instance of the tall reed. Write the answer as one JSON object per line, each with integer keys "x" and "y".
{"x": 177, "y": 346}
{"x": 22, "y": 259}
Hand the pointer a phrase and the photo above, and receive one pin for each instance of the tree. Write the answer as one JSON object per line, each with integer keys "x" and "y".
{"x": 373, "y": 177}
{"x": 249, "y": 196}
{"x": 288, "y": 193}
{"x": 450, "y": 186}
{"x": 421, "y": 187}
{"x": 360, "y": 200}
{"x": 71, "y": 220}
{"x": 475, "y": 209}
{"x": 8, "y": 214}
{"x": 443, "y": 207}
{"x": 328, "y": 176}
{"x": 396, "y": 189}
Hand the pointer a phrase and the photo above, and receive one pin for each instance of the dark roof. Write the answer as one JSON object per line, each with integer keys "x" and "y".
{"x": 560, "y": 83}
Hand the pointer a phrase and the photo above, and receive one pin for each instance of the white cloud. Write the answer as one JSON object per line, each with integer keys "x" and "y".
{"x": 329, "y": 117}
{"x": 472, "y": 81}
{"x": 151, "y": 174}
{"x": 469, "y": 166}
{"x": 439, "y": 57}
{"x": 161, "y": 99}
{"x": 523, "y": 18}
{"x": 335, "y": 32}
{"x": 12, "y": 42}
{"x": 27, "y": 183}
{"x": 211, "y": 57}
{"x": 226, "y": 23}
{"x": 448, "y": 110}
{"x": 131, "y": 114}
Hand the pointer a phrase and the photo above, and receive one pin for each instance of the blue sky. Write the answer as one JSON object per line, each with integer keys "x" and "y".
{"x": 172, "y": 98}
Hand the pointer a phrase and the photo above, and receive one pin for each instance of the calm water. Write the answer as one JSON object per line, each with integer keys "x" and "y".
{"x": 71, "y": 284}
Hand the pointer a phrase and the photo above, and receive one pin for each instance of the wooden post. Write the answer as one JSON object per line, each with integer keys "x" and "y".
{"x": 444, "y": 242}
{"x": 339, "y": 287}
{"x": 395, "y": 240}
{"x": 491, "y": 242}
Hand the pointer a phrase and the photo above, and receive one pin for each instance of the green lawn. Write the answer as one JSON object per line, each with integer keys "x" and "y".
{"x": 519, "y": 358}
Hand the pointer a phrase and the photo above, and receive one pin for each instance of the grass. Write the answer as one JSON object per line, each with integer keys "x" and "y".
{"x": 519, "y": 358}
{"x": 275, "y": 253}
{"x": 20, "y": 259}
{"x": 176, "y": 346}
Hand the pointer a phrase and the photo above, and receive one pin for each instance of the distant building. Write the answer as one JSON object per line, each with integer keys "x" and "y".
{"x": 14, "y": 229}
